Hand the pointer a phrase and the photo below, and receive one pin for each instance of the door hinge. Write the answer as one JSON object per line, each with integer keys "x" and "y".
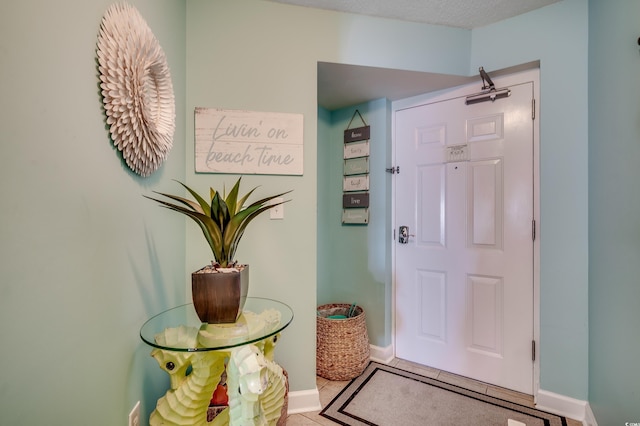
{"x": 533, "y": 109}
{"x": 533, "y": 350}
{"x": 533, "y": 230}
{"x": 393, "y": 170}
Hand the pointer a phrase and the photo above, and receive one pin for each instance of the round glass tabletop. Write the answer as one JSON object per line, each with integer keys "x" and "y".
{"x": 179, "y": 329}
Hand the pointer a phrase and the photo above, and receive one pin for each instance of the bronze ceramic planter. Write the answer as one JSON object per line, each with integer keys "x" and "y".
{"x": 218, "y": 297}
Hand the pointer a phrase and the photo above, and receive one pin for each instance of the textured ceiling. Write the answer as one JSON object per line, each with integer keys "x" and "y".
{"x": 454, "y": 13}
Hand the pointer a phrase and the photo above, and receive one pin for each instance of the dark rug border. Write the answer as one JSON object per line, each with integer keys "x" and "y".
{"x": 374, "y": 367}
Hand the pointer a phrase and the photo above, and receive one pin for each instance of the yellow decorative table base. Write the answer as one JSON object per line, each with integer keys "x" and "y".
{"x": 197, "y": 355}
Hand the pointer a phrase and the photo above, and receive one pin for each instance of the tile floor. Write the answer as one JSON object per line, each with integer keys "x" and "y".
{"x": 328, "y": 390}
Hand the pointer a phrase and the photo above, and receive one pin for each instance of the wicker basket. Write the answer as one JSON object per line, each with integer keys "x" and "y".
{"x": 342, "y": 345}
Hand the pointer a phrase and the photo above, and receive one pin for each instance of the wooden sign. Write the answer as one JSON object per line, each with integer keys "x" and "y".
{"x": 353, "y": 199}
{"x": 248, "y": 142}
{"x": 357, "y": 134}
{"x": 355, "y": 216}
{"x": 356, "y": 149}
{"x": 356, "y": 166}
{"x": 355, "y": 183}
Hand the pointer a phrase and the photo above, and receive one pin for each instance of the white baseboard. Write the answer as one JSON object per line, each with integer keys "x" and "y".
{"x": 304, "y": 401}
{"x": 565, "y": 406}
{"x": 382, "y": 355}
{"x": 589, "y": 418}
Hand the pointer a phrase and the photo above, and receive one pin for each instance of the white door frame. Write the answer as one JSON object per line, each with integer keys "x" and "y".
{"x": 507, "y": 80}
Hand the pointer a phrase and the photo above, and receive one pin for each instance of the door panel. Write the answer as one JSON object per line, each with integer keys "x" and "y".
{"x": 431, "y": 204}
{"x": 464, "y": 280}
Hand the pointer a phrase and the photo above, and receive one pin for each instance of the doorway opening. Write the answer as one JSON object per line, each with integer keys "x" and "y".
{"x": 341, "y": 89}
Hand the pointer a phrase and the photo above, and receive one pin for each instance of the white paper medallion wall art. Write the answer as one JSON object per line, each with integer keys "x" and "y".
{"x": 136, "y": 89}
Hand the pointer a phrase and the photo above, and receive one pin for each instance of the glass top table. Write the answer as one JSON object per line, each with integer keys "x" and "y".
{"x": 179, "y": 329}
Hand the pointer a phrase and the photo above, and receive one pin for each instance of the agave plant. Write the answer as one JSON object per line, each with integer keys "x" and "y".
{"x": 223, "y": 220}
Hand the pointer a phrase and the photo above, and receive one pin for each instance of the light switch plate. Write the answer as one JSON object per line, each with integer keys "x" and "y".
{"x": 277, "y": 212}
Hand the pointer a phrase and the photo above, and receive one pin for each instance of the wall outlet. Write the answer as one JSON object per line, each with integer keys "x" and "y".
{"x": 134, "y": 415}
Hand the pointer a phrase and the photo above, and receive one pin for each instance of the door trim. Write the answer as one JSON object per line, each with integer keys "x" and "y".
{"x": 527, "y": 76}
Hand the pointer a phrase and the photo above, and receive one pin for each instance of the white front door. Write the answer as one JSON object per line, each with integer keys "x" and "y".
{"x": 464, "y": 280}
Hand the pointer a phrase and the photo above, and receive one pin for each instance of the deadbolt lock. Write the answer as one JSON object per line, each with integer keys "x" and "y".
{"x": 404, "y": 235}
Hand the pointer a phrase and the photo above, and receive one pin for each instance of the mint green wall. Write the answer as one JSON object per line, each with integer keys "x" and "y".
{"x": 84, "y": 258}
{"x": 263, "y": 56}
{"x": 355, "y": 263}
{"x": 614, "y": 211}
{"x": 557, "y": 35}
{"x": 62, "y": 181}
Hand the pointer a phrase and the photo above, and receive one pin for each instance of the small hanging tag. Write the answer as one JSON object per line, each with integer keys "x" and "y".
{"x": 355, "y": 199}
{"x": 355, "y": 150}
{"x": 355, "y": 216}
{"x": 356, "y": 166}
{"x": 355, "y": 183}
{"x": 358, "y": 133}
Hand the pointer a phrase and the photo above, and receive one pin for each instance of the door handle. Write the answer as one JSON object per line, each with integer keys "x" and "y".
{"x": 403, "y": 237}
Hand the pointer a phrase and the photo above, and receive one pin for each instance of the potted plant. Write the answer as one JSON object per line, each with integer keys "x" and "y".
{"x": 219, "y": 290}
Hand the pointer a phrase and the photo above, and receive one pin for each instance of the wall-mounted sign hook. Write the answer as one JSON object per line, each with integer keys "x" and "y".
{"x": 354, "y": 116}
